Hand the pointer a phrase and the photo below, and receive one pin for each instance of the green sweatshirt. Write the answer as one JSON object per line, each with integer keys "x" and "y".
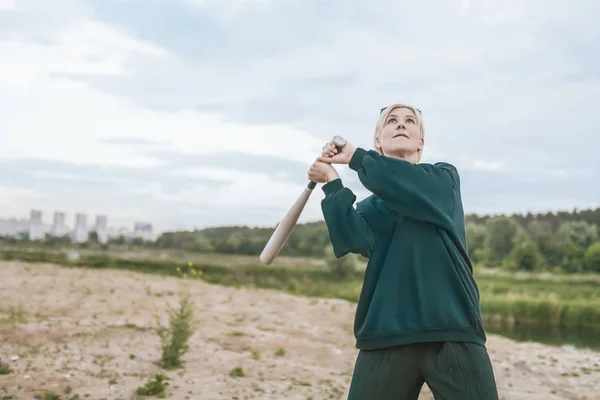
{"x": 418, "y": 285}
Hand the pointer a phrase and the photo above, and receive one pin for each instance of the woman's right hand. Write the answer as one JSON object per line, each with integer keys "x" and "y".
{"x": 331, "y": 155}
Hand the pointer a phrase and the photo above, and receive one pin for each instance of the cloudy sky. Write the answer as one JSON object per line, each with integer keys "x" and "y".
{"x": 195, "y": 113}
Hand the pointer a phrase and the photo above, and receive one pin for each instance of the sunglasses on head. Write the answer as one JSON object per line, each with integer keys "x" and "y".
{"x": 384, "y": 108}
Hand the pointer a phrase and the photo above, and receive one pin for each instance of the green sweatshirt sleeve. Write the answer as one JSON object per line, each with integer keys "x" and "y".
{"x": 349, "y": 229}
{"x": 421, "y": 191}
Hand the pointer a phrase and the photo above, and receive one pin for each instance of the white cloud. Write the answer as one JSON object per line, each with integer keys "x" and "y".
{"x": 502, "y": 84}
{"x": 247, "y": 189}
{"x": 6, "y": 5}
{"x": 49, "y": 116}
{"x": 75, "y": 177}
{"x": 231, "y": 4}
{"x": 45, "y": 115}
{"x": 488, "y": 166}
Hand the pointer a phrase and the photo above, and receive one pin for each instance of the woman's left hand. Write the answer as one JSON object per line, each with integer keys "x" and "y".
{"x": 322, "y": 173}
{"x": 331, "y": 155}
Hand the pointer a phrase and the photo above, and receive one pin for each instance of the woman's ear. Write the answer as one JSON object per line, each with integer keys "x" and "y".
{"x": 378, "y": 143}
{"x": 420, "y": 149}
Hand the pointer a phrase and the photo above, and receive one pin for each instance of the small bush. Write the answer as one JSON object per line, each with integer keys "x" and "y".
{"x": 525, "y": 257}
{"x": 572, "y": 258}
{"x": 51, "y": 396}
{"x": 280, "y": 352}
{"x": 174, "y": 338}
{"x": 154, "y": 387}
{"x": 4, "y": 368}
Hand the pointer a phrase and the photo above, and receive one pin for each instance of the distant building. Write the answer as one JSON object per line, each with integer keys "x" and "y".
{"x": 143, "y": 231}
{"x": 36, "y": 227}
{"x": 13, "y": 228}
{"x": 59, "y": 227}
{"x": 101, "y": 228}
{"x": 80, "y": 233}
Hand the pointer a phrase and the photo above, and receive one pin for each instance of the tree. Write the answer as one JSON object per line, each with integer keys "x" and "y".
{"x": 591, "y": 258}
{"x": 119, "y": 240}
{"x": 547, "y": 243}
{"x": 500, "y": 240}
{"x": 525, "y": 256}
{"x": 581, "y": 233}
{"x": 169, "y": 240}
{"x": 572, "y": 258}
{"x": 197, "y": 243}
{"x": 93, "y": 237}
{"x": 476, "y": 239}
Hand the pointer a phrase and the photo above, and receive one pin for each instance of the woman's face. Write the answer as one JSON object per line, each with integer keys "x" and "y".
{"x": 400, "y": 135}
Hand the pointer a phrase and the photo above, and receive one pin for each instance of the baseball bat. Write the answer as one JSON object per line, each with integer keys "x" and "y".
{"x": 284, "y": 229}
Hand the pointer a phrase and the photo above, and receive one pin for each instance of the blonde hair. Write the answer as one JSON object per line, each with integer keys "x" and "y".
{"x": 384, "y": 115}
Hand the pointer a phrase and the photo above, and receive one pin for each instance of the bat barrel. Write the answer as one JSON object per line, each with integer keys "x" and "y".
{"x": 284, "y": 229}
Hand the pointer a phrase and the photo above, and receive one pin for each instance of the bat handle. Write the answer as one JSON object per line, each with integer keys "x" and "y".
{"x": 339, "y": 143}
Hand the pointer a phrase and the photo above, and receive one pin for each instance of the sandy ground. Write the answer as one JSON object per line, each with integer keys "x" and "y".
{"x": 88, "y": 334}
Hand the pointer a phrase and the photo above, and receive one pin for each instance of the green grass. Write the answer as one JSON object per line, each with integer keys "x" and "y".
{"x": 525, "y": 310}
{"x": 565, "y": 289}
{"x": 116, "y": 251}
{"x": 546, "y": 299}
{"x": 525, "y": 299}
{"x": 5, "y": 370}
{"x": 155, "y": 387}
{"x": 51, "y": 396}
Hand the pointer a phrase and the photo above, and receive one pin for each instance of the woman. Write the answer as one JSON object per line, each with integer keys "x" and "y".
{"x": 418, "y": 316}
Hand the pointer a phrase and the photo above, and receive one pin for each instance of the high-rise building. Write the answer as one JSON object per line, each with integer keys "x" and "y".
{"x": 59, "y": 227}
{"x": 80, "y": 232}
{"x": 36, "y": 228}
{"x": 14, "y": 228}
{"x": 101, "y": 228}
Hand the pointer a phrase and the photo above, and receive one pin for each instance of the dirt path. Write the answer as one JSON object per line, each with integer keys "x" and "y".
{"x": 90, "y": 333}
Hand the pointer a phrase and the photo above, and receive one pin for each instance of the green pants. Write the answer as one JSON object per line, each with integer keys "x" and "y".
{"x": 452, "y": 370}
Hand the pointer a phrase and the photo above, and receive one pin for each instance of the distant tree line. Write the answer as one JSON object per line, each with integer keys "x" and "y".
{"x": 562, "y": 241}
{"x": 92, "y": 240}
{"x": 535, "y": 244}
{"x": 310, "y": 240}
